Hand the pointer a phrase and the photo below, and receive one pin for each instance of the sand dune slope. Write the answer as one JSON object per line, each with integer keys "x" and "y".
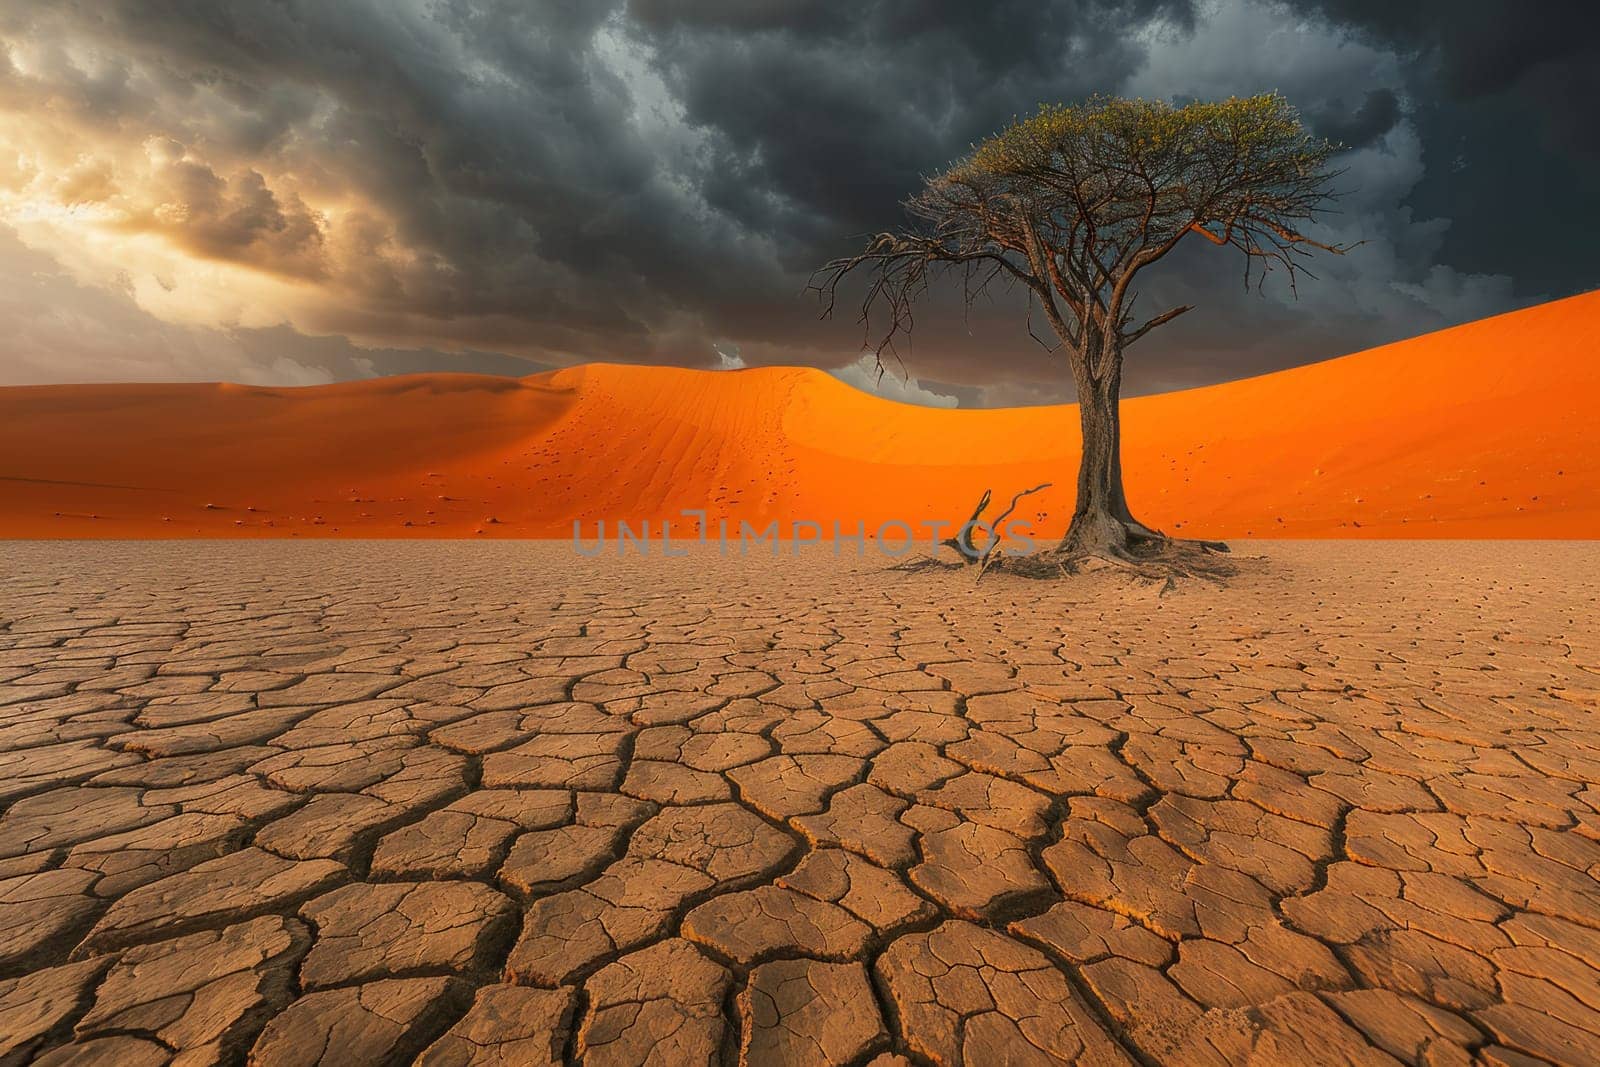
{"x": 1485, "y": 430}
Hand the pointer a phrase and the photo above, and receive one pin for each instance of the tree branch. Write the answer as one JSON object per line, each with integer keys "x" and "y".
{"x": 1165, "y": 317}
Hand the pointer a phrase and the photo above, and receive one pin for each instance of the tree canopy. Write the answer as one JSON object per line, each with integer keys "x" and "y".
{"x": 1076, "y": 200}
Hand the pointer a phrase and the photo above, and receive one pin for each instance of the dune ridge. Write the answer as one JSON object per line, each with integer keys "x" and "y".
{"x": 1482, "y": 430}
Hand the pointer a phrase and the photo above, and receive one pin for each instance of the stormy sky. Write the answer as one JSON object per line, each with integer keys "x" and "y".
{"x": 294, "y": 191}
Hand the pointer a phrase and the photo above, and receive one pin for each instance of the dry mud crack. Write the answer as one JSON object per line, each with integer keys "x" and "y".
{"x": 499, "y": 804}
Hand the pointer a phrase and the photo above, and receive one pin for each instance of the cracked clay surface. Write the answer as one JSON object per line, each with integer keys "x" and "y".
{"x": 458, "y": 804}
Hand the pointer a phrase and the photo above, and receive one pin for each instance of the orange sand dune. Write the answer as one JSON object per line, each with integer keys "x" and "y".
{"x": 1485, "y": 430}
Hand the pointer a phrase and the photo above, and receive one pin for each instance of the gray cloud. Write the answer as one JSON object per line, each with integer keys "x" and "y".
{"x": 58, "y": 330}
{"x": 647, "y": 179}
{"x": 1501, "y": 97}
{"x": 1358, "y": 127}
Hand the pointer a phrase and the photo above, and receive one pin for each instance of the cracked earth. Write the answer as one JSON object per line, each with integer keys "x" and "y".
{"x": 498, "y": 804}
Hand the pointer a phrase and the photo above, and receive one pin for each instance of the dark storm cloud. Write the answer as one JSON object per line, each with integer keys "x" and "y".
{"x": 646, "y": 179}
{"x": 1360, "y": 126}
{"x": 500, "y": 189}
{"x": 1484, "y": 47}
{"x": 1503, "y": 98}
{"x": 793, "y": 16}
{"x": 240, "y": 219}
{"x": 838, "y": 118}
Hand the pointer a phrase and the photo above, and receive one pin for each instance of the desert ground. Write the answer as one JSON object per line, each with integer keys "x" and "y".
{"x": 1476, "y": 431}
{"x": 497, "y": 803}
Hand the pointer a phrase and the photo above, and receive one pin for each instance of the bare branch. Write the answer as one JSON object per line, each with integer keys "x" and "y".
{"x": 1161, "y": 319}
{"x": 963, "y": 542}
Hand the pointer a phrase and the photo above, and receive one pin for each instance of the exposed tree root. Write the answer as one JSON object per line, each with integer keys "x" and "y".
{"x": 922, "y": 562}
{"x": 1098, "y": 543}
{"x": 1139, "y": 532}
{"x": 1160, "y": 561}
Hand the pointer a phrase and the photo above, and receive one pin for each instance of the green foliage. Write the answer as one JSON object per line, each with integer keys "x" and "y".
{"x": 1147, "y": 136}
{"x": 1119, "y": 173}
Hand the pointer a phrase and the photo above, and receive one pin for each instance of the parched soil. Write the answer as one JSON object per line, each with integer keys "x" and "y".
{"x": 498, "y": 803}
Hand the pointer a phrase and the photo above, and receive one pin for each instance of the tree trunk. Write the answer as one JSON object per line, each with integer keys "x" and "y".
{"x": 1101, "y": 521}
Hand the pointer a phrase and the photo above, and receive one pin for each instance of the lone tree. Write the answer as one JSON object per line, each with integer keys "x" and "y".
{"x": 1073, "y": 204}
